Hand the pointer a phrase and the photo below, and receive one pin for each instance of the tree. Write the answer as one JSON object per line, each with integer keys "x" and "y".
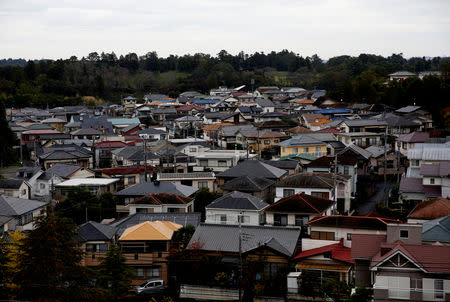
{"x": 203, "y": 197}
{"x": 49, "y": 267}
{"x": 80, "y": 206}
{"x": 13, "y": 252}
{"x": 183, "y": 235}
{"x": 114, "y": 274}
{"x": 7, "y": 140}
{"x": 361, "y": 294}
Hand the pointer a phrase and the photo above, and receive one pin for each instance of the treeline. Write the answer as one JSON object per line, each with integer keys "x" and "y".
{"x": 107, "y": 76}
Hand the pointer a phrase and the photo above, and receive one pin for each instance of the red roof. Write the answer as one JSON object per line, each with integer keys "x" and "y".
{"x": 190, "y": 107}
{"x": 110, "y": 144}
{"x": 353, "y": 222}
{"x": 162, "y": 198}
{"x": 338, "y": 252}
{"x": 128, "y": 170}
{"x": 431, "y": 209}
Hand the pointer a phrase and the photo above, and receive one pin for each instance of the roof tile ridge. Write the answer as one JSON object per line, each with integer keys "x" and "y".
{"x": 299, "y": 195}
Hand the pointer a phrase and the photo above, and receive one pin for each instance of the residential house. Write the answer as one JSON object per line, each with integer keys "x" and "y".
{"x": 18, "y": 213}
{"x": 96, "y": 186}
{"x": 54, "y": 122}
{"x": 128, "y": 175}
{"x": 218, "y": 160}
{"x": 132, "y": 156}
{"x": 227, "y": 135}
{"x": 292, "y": 166}
{"x": 362, "y": 157}
{"x": 303, "y": 144}
{"x": 408, "y": 141}
{"x": 146, "y": 247}
{"x": 95, "y": 240}
{"x": 259, "y": 187}
{"x": 103, "y": 152}
{"x": 401, "y": 75}
{"x": 436, "y": 231}
{"x": 139, "y": 190}
{"x": 120, "y": 123}
{"x": 236, "y": 208}
{"x": 161, "y": 203}
{"x": 18, "y": 188}
{"x": 210, "y": 132}
{"x": 259, "y": 141}
{"x": 72, "y": 156}
{"x": 193, "y": 179}
{"x": 307, "y": 118}
{"x": 251, "y": 168}
{"x": 378, "y": 160}
{"x": 297, "y": 210}
{"x": 360, "y": 139}
{"x": 266, "y": 105}
{"x": 190, "y": 109}
{"x": 86, "y": 133}
{"x": 153, "y": 134}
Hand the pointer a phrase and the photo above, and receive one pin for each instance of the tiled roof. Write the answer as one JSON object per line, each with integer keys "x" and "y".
{"x": 414, "y": 137}
{"x": 439, "y": 169}
{"x": 110, "y": 144}
{"x": 190, "y": 107}
{"x": 162, "y": 198}
{"x": 44, "y": 131}
{"x": 307, "y": 180}
{"x": 437, "y": 230}
{"x": 128, "y": 170}
{"x": 63, "y": 170}
{"x": 162, "y": 187}
{"x": 301, "y": 203}
{"x": 86, "y": 131}
{"x": 302, "y": 140}
{"x": 12, "y": 206}
{"x": 10, "y": 183}
{"x": 431, "y": 209}
{"x": 299, "y": 129}
{"x": 253, "y": 168}
{"x": 247, "y": 183}
{"x": 190, "y": 175}
{"x": 225, "y": 238}
{"x": 237, "y": 201}
{"x": 94, "y": 231}
{"x": 215, "y": 127}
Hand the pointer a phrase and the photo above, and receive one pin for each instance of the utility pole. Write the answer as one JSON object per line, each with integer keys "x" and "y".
{"x": 145, "y": 160}
{"x": 385, "y": 164}
{"x": 240, "y": 256}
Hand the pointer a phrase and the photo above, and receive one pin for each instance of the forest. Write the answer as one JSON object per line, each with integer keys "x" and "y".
{"x": 108, "y": 77}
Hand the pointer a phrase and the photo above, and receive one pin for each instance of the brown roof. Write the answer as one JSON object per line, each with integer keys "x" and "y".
{"x": 215, "y": 127}
{"x": 368, "y": 245}
{"x": 431, "y": 258}
{"x": 299, "y": 129}
{"x": 431, "y": 209}
{"x": 328, "y": 161}
{"x": 266, "y": 134}
{"x": 301, "y": 203}
{"x": 311, "y": 117}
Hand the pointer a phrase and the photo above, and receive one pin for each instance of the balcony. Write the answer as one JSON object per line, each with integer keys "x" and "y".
{"x": 145, "y": 258}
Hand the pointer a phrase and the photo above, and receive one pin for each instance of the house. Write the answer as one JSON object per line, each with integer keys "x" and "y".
{"x": 292, "y": 166}
{"x": 120, "y": 123}
{"x": 408, "y": 141}
{"x": 251, "y": 168}
{"x": 139, "y": 190}
{"x": 360, "y": 139}
{"x": 86, "y": 133}
{"x": 266, "y": 253}
{"x": 210, "y": 132}
{"x": 69, "y": 156}
{"x": 260, "y": 140}
{"x": 146, "y": 247}
{"x": 378, "y": 160}
{"x": 303, "y": 144}
{"x": 190, "y": 109}
{"x": 95, "y": 240}
{"x": 133, "y": 156}
{"x": 398, "y": 266}
{"x": 401, "y": 75}
{"x": 429, "y": 210}
{"x": 193, "y": 179}
{"x": 96, "y": 186}
{"x": 317, "y": 265}
{"x": 18, "y": 188}
{"x": 259, "y": 187}
{"x": 236, "y": 208}
{"x": 103, "y": 152}
{"x": 297, "y": 210}
{"x": 67, "y": 171}
{"x": 161, "y": 203}
{"x": 226, "y": 136}
{"x": 335, "y": 227}
{"x": 436, "y": 231}
{"x": 54, "y": 122}
{"x": 362, "y": 157}
{"x": 18, "y": 213}
{"x": 266, "y": 105}
{"x": 130, "y": 130}
{"x": 298, "y": 130}
{"x": 129, "y": 175}
{"x": 307, "y": 118}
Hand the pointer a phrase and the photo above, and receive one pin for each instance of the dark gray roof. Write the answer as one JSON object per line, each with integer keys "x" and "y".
{"x": 12, "y": 206}
{"x": 408, "y": 109}
{"x": 190, "y": 175}
{"x": 253, "y": 168}
{"x": 301, "y": 140}
{"x": 86, "y": 131}
{"x": 94, "y": 231}
{"x": 265, "y": 102}
{"x": 163, "y": 187}
{"x": 184, "y": 219}
{"x": 364, "y": 122}
{"x": 151, "y": 131}
{"x": 129, "y": 127}
{"x": 439, "y": 169}
{"x": 225, "y": 238}
{"x": 307, "y": 180}
{"x": 10, "y": 183}
{"x": 282, "y": 164}
{"x": 247, "y": 183}
{"x": 237, "y": 201}
{"x": 61, "y": 154}
{"x": 63, "y": 170}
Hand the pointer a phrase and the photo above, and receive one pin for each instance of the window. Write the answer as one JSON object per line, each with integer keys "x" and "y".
{"x": 323, "y": 195}
{"x": 294, "y": 150}
{"x": 301, "y": 220}
{"x": 288, "y": 192}
{"x": 346, "y": 170}
{"x": 399, "y": 287}
{"x": 26, "y": 218}
{"x": 438, "y": 289}
{"x": 431, "y": 181}
{"x": 203, "y": 162}
{"x": 266, "y": 142}
{"x": 221, "y": 218}
{"x": 42, "y": 186}
{"x": 349, "y": 237}
{"x": 404, "y": 234}
{"x": 403, "y": 145}
{"x": 140, "y": 272}
{"x": 244, "y": 219}
{"x": 152, "y": 272}
{"x": 415, "y": 163}
{"x": 192, "y": 149}
{"x": 284, "y": 149}
{"x": 306, "y": 150}
{"x": 131, "y": 180}
{"x": 222, "y": 163}
{"x": 318, "y": 149}
{"x": 24, "y": 191}
{"x": 141, "y": 210}
{"x": 202, "y": 184}
{"x": 280, "y": 219}
{"x": 275, "y": 141}
{"x": 322, "y": 235}
{"x": 173, "y": 210}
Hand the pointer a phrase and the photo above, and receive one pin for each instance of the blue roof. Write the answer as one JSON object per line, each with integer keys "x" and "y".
{"x": 340, "y": 118}
{"x": 332, "y": 110}
{"x": 164, "y": 101}
{"x": 205, "y": 101}
{"x": 124, "y": 121}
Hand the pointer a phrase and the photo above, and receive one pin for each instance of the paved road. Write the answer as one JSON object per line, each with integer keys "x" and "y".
{"x": 381, "y": 194}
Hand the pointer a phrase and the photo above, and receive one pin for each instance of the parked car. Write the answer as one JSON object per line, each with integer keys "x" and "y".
{"x": 151, "y": 287}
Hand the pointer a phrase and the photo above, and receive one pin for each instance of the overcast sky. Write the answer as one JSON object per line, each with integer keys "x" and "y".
{"x": 55, "y": 29}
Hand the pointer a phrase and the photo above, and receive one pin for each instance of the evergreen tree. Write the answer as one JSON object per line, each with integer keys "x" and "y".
{"x": 49, "y": 267}
{"x": 114, "y": 274}
{"x": 7, "y": 140}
